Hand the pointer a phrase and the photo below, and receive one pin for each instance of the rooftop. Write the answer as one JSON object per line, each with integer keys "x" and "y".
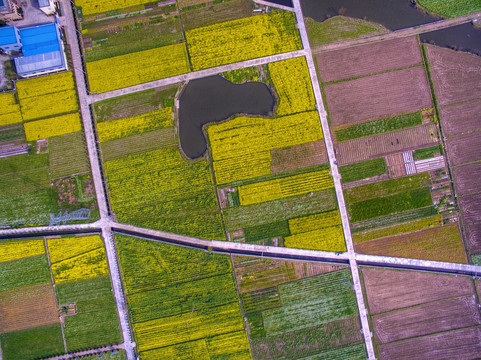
{"x": 40, "y": 39}
{"x": 7, "y": 35}
{"x": 42, "y": 3}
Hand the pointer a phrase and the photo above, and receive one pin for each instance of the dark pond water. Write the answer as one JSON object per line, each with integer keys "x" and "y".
{"x": 213, "y": 99}
{"x": 463, "y": 37}
{"x": 281, "y": 2}
{"x": 393, "y": 14}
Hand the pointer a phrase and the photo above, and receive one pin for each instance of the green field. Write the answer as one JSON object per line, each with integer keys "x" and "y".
{"x": 379, "y": 126}
{"x": 24, "y": 181}
{"x": 376, "y": 207}
{"x": 96, "y": 322}
{"x": 32, "y": 343}
{"x": 450, "y": 8}
{"x": 427, "y": 153}
{"x": 12, "y": 132}
{"x": 363, "y": 170}
{"x": 24, "y": 272}
{"x": 181, "y": 301}
{"x": 18, "y": 163}
{"x": 68, "y": 155}
{"x": 268, "y": 230}
{"x": 339, "y": 28}
{"x": 110, "y": 355}
{"x": 387, "y": 187}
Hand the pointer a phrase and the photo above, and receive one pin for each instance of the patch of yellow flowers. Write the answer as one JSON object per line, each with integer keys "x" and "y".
{"x": 17, "y": 249}
{"x": 9, "y": 109}
{"x": 45, "y": 128}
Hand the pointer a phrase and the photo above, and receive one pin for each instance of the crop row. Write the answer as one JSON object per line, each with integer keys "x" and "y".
{"x": 313, "y": 222}
{"x": 14, "y": 250}
{"x": 137, "y": 124}
{"x": 45, "y": 128}
{"x": 66, "y": 248}
{"x": 293, "y": 86}
{"x": 285, "y": 187}
{"x": 325, "y": 239}
{"x": 94, "y": 7}
{"x": 363, "y": 169}
{"x": 242, "y": 39}
{"x": 50, "y": 84}
{"x": 251, "y": 164}
{"x": 9, "y": 109}
{"x": 136, "y": 68}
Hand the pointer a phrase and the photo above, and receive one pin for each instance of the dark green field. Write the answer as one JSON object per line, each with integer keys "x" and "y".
{"x": 363, "y": 170}
{"x": 24, "y": 272}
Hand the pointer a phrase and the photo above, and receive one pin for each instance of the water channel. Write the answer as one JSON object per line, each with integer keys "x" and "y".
{"x": 465, "y": 37}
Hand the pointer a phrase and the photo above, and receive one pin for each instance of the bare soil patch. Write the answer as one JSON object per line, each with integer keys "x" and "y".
{"x": 298, "y": 156}
{"x": 456, "y": 75}
{"x": 427, "y": 319}
{"x": 453, "y": 345}
{"x": 473, "y": 238}
{"x": 378, "y": 145}
{"x": 461, "y": 118}
{"x": 368, "y": 59}
{"x": 441, "y": 243}
{"x": 470, "y": 206}
{"x": 395, "y": 289}
{"x": 378, "y": 96}
{"x": 464, "y": 148}
{"x": 27, "y": 307}
{"x": 395, "y": 165}
{"x": 466, "y": 178}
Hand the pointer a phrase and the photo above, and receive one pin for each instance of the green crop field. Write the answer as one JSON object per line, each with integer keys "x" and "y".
{"x": 24, "y": 181}
{"x": 38, "y": 342}
{"x": 68, "y": 155}
{"x": 387, "y": 187}
{"x": 427, "y": 153}
{"x": 12, "y": 132}
{"x": 450, "y": 8}
{"x": 181, "y": 301}
{"x": 110, "y": 355}
{"x": 379, "y": 126}
{"x": 372, "y": 208}
{"x": 23, "y": 162}
{"x": 96, "y": 322}
{"x": 268, "y": 230}
{"x": 24, "y": 272}
{"x": 362, "y": 170}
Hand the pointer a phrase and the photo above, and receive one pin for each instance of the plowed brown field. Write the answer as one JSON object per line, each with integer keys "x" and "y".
{"x": 466, "y": 178}
{"x": 461, "y": 118}
{"x": 394, "y": 289}
{"x": 471, "y": 208}
{"x": 456, "y": 75}
{"x": 27, "y": 307}
{"x": 473, "y": 238}
{"x": 441, "y": 243}
{"x": 378, "y": 96}
{"x": 374, "y": 146}
{"x": 464, "y": 148}
{"x": 368, "y": 59}
{"x": 427, "y": 319}
{"x": 453, "y": 345}
{"x": 298, "y": 156}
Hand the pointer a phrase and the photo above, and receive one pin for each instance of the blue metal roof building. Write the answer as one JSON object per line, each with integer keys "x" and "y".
{"x": 9, "y": 39}
{"x": 43, "y": 50}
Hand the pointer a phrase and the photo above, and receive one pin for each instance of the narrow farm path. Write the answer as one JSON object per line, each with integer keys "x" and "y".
{"x": 357, "y": 287}
{"x": 87, "y": 352}
{"x": 415, "y": 30}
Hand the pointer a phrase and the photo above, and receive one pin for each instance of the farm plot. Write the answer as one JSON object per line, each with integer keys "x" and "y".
{"x": 93, "y": 7}
{"x": 464, "y": 148}
{"x": 450, "y": 8}
{"x": 467, "y": 178}
{"x": 401, "y": 91}
{"x": 10, "y": 110}
{"x": 455, "y": 75}
{"x": 471, "y": 208}
{"x": 298, "y": 157}
{"x": 277, "y": 325}
{"x": 362, "y": 170}
{"x": 368, "y": 59}
{"x": 177, "y": 306}
{"x": 136, "y": 68}
{"x": 353, "y": 151}
{"x": 68, "y": 155}
{"x": 460, "y": 118}
{"x": 242, "y": 39}
{"x": 441, "y": 243}
{"x": 54, "y": 126}
{"x": 473, "y": 234}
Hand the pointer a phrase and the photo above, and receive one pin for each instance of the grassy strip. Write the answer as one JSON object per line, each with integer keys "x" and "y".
{"x": 389, "y": 220}
{"x": 476, "y": 259}
{"x": 24, "y": 272}
{"x": 12, "y": 132}
{"x": 363, "y": 170}
{"x": 379, "y": 126}
{"x": 386, "y": 188}
{"x": 35, "y": 343}
{"x": 266, "y": 231}
{"x": 27, "y": 209}
{"x": 372, "y": 208}
{"x": 427, "y": 153}
{"x": 398, "y": 229}
{"x": 24, "y": 181}
{"x": 68, "y": 155}
{"x": 349, "y": 352}
{"x": 110, "y": 355}
{"x": 18, "y": 163}
{"x": 450, "y": 8}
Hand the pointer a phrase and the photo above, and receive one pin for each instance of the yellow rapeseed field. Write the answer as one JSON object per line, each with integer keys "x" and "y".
{"x": 42, "y": 85}
{"x": 293, "y": 86}
{"x": 242, "y": 167}
{"x": 313, "y": 222}
{"x": 9, "y": 109}
{"x": 137, "y": 124}
{"x": 242, "y": 39}
{"x": 66, "y": 248}
{"x": 84, "y": 266}
{"x": 137, "y": 68}
{"x": 284, "y": 187}
{"x": 45, "y": 128}
{"x": 17, "y": 249}
{"x": 95, "y": 6}
{"x": 326, "y": 239}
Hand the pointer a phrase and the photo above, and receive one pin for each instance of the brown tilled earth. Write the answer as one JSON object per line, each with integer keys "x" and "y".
{"x": 395, "y": 165}
{"x": 464, "y": 148}
{"x": 441, "y": 243}
{"x": 453, "y": 345}
{"x": 368, "y": 59}
{"x": 394, "y": 289}
{"x": 473, "y": 240}
{"x": 471, "y": 208}
{"x": 456, "y": 75}
{"x": 378, "y": 96}
{"x": 467, "y": 178}
{"x": 298, "y": 156}
{"x": 374, "y": 146}
{"x": 461, "y": 118}
{"x": 427, "y": 319}
{"x": 27, "y": 307}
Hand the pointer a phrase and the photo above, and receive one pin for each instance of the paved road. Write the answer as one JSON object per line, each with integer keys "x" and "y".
{"x": 441, "y": 24}
{"x": 277, "y": 6}
{"x": 79, "y": 354}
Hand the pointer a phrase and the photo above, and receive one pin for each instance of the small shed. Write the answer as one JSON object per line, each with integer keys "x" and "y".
{"x": 47, "y": 6}
{"x": 9, "y": 39}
